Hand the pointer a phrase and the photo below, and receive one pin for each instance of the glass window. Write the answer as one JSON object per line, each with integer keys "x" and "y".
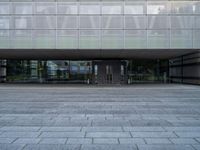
{"x": 67, "y": 39}
{"x": 22, "y": 39}
{"x": 44, "y": 38}
{"x": 4, "y": 8}
{"x": 135, "y": 8}
{"x": 135, "y": 22}
{"x": 4, "y": 39}
{"x": 181, "y": 38}
{"x": 112, "y": 22}
{"x": 158, "y": 39}
{"x": 158, "y": 8}
{"x": 22, "y": 8}
{"x": 89, "y": 8}
{"x": 45, "y": 8}
{"x": 181, "y": 22}
{"x": 89, "y": 22}
{"x": 197, "y": 22}
{"x": 89, "y": 39}
{"x": 135, "y": 39}
{"x": 44, "y": 22}
{"x": 67, "y": 22}
{"x": 23, "y": 22}
{"x": 67, "y": 8}
{"x": 196, "y": 7}
{"x": 112, "y": 8}
{"x": 112, "y": 39}
{"x": 184, "y": 7}
{"x": 158, "y": 22}
{"x": 196, "y": 37}
{"x": 4, "y": 22}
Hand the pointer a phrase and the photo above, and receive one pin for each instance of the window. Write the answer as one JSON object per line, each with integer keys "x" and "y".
{"x": 67, "y": 22}
{"x": 135, "y": 39}
{"x": 45, "y": 22}
{"x": 44, "y": 38}
{"x": 45, "y": 8}
{"x": 181, "y": 38}
{"x": 112, "y": 39}
{"x": 4, "y": 22}
{"x": 158, "y": 38}
{"x": 4, "y": 39}
{"x": 135, "y": 22}
{"x": 112, "y": 8}
{"x": 89, "y": 8}
{"x": 67, "y": 39}
{"x": 22, "y": 8}
{"x": 89, "y": 22}
{"x": 67, "y": 8}
{"x": 112, "y": 22}
{"x": 184, "y": 7}
{"x": 181, "y": 22}
{"x": 22, "y": 22}
{"x": 158, "y": 8}
{"x": 135, "y": 8}
{"x": 158, "y": 22}
{"x": 22, "y": 39}
{"x": 89, "y": 39}
{"x": 4, "y": 8}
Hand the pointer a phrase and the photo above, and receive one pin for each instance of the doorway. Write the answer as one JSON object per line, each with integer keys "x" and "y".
{"x": 108, "y": 72}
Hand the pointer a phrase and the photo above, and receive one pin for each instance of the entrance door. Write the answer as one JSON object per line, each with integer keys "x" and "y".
{"x": 109, "y": 74}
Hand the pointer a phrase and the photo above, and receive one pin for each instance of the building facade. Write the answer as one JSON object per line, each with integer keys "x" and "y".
{"x": 104, "y": 39}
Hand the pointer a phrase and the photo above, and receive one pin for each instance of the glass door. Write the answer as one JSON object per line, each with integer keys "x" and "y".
{"x": 109, "y": 74}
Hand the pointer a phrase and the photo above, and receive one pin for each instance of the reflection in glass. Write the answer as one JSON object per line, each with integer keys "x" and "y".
{"x": 135, "y": 8}
{"x": 67, "y": 8}
{"x": 89, "y": 8}
{"x": 112, "y": 8}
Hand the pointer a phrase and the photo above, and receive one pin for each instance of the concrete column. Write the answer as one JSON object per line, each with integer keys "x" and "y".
{"x": 2, "y": 71}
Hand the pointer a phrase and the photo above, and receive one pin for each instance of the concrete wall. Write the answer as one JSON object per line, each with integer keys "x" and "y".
{"x": 185, "y": 69}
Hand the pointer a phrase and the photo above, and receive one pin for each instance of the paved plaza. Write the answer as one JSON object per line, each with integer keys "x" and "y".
{"x": 64, "y": 117}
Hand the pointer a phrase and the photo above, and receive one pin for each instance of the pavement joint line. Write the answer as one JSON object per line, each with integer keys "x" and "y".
{"x": 193, "y": 147}
{"x": 14, "y": 140}
{"x": 175, "y": 134}
{"x": 67, "y": 140}
{"x": 197, "y": 140}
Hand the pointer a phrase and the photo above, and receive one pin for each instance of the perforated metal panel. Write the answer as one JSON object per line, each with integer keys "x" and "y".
{"x": 100, "y": 24}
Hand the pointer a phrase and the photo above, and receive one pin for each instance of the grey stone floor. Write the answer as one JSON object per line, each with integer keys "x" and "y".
{"x": 138, "y": 117}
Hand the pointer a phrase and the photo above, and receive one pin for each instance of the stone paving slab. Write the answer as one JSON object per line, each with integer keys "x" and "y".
{"x": 153, "y": 134}
{"x": 108, "y": 147}
{"x": 51, "y": 147}
{"x": 61, "y": 129}
{"x": 6, "y": 140}
{"x": 165, "y": 147}
{"x": 11, "y": 146}
{"x": 184, "y": 141}
{"x": 53, "y": 141}
{"x": 79, "y": 141}
{"x": 62, "y": 134}
{"x": 138, "y": 117}
{"x": 107, "y": 134}
{"x": 20, "y": 134}
{"x": 105, "y": 141}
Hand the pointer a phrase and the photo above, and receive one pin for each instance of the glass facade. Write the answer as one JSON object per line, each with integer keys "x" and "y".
{"x": 57, "y": 71}
{"x": 99, "y": 24}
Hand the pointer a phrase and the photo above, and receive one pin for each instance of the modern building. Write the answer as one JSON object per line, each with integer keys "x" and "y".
{"x": 100, "y": 41}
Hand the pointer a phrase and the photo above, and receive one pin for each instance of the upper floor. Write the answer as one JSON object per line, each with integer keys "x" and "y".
{"x": 99, "y": 24}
